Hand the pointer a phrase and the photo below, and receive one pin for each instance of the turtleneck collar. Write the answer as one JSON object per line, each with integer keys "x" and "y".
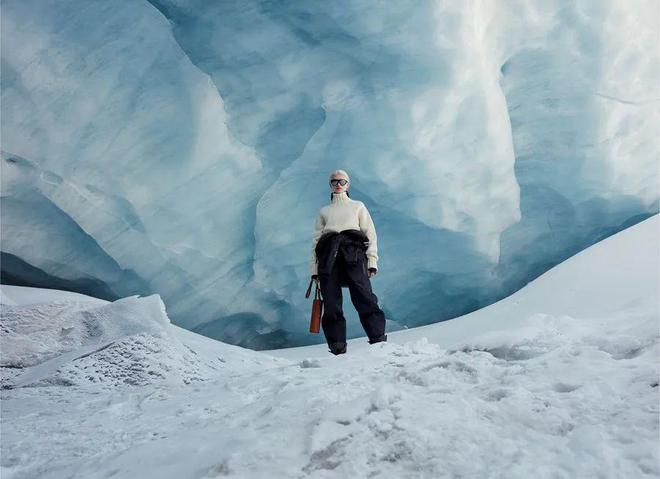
{"x": 338, "y": 198}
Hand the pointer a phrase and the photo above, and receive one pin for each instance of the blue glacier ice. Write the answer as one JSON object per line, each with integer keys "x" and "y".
{"x": 182, "y": 147}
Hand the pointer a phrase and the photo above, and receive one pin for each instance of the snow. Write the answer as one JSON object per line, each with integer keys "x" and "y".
{"x": 182, "y": 147}
{"x": 558, "y": 380}
{"x": 128, "y": 341}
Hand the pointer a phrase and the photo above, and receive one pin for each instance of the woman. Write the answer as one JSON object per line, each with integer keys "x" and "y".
{"x": 344, "y": 253}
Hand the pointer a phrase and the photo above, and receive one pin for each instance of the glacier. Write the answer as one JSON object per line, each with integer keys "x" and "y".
{"x": 182, "y": 147}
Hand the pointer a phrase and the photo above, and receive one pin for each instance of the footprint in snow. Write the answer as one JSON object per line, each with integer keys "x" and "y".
{"x": 310, "y": 363}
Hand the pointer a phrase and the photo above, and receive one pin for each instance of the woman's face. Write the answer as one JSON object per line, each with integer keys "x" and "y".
{"x": 337, "y": 187}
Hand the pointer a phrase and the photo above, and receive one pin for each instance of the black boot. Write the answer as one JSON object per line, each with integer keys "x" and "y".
{"x": 378, "y": 339}
{"x": 337, "y": 348}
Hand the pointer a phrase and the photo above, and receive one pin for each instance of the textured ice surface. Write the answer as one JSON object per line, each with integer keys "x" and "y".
{"x": 182, "y": 147}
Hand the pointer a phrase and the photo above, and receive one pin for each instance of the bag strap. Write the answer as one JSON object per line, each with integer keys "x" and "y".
{"x": 317, "y": 293}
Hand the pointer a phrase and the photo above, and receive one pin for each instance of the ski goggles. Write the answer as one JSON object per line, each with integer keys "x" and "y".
{"x": 341, "y": 182}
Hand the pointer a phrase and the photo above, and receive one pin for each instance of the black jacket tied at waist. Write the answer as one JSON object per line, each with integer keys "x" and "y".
{"x": 351, "y": 244}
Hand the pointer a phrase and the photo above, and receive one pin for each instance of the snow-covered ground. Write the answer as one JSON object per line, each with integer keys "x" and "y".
{"x": 558, "y": 380}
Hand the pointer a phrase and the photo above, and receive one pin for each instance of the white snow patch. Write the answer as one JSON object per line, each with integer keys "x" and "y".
{"x": 558, "y": 380}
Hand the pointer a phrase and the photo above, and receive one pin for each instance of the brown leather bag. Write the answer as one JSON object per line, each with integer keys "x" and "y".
{"x": 317, "y": 308}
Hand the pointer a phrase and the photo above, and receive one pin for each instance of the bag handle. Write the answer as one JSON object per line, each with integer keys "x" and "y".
{"x": 317, "y": 293}
{"x": 309, "y": 288}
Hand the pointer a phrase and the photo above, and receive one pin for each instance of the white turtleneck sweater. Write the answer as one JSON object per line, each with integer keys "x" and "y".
{"x": 341, "y": 214}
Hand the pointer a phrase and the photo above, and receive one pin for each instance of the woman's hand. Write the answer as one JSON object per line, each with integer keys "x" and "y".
{"x": 372, "y": 272}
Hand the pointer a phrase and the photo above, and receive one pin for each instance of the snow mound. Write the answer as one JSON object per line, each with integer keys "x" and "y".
{"x": 137, "y": 360}
{"x": 35, "y": 333}
{"x": 127, "y": 342}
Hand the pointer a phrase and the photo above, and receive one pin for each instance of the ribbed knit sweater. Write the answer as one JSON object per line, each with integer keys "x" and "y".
{"x": 344, "y": 213}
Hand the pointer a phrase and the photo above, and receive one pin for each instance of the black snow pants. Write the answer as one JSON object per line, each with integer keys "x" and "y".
{"x": 355, "y": 276}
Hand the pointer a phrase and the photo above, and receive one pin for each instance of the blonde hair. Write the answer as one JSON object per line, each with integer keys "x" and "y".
{"x": 339, "y": 172}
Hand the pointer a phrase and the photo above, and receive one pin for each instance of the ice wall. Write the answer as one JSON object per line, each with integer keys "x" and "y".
{"x": 183, "y": 146}
{"x": 583, "y": 99}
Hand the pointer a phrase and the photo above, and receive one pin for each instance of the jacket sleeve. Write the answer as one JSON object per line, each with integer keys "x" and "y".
{"x": 368, "y": 228}
{"x": 318, "y": 230}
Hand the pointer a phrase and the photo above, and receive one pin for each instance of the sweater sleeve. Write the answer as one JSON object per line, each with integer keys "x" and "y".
{"x": 368, "y": 228}
{"x": 318, "y": 230}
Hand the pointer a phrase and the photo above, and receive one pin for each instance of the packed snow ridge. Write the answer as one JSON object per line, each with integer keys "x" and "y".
{"x": 558, "y": 380}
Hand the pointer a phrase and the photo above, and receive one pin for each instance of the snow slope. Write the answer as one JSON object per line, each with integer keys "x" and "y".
{"x": 558, "y": 380}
